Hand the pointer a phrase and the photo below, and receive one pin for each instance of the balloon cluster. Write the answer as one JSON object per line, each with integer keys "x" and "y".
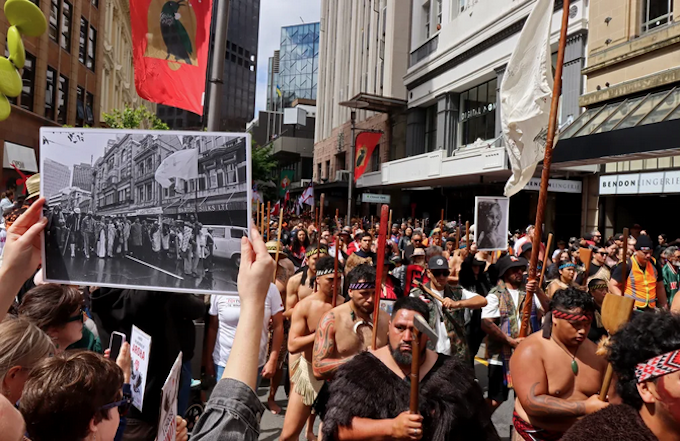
{"x": 24, "y": 18}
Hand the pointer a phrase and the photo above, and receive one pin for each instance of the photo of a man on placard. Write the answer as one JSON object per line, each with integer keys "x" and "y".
{"x": 491, "y": 223}
{"x": 145, "y": 209}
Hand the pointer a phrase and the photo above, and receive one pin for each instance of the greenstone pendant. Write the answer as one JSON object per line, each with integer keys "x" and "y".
{"x": 574, "y": 367}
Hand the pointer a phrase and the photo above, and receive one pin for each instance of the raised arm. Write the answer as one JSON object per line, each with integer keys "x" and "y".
{"x": 297, "y": 340}
{"x": 325, "y": 361}
{"x": 491, "y": 329}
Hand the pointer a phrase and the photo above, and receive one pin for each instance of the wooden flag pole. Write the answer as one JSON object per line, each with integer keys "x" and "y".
{"x": 257, "y": 215}
{"x": 262, "y": 220}
{"x": 278, "y": 248}
{"x": 467, "y": 235}
{"x": 269, "y": 211}
{"x": 458, "y": 237}
{"x": 389, "y": 223}
{"x": 545, "y": 258}
{"x": 380, "y": 268}
{"x": 441, "y": 222}
{"x": 545, "y": 175}
{"x": 318, "y": 225}
{"x": 335, "y": 269}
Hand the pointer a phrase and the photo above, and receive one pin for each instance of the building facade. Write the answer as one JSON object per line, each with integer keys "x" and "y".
{"x": 273, "y": 99}
{"x": 83, "y": 176}
{"x": 454, "y": 150}
{"x": 240, "y": 73}
{"x": 118, "y": 82}
{"x": 363, "y": 58}
{"x": 61, "y": 84}
{"x": 631, "y": 117}
{"x": 56, "y": 176}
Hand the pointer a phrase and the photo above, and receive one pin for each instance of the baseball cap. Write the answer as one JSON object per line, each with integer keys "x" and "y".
{"x": 644, "y": 243}
{"x": 437, "y": 263}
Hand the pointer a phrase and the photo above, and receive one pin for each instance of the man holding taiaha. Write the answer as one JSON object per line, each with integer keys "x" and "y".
{"x": 567, "y": 271}
{"x": 556, "y": 373}
{"x": 452, "y": 311}
{"x": 645, "y": 357}
{"x": 501, "y": 322}
{"x": 644, "y": 283}
{"x": 306, "y": 316}
{"x": 370, "y": 394}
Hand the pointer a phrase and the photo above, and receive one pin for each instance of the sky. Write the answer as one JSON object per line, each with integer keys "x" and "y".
{"x": 275, "y": 14}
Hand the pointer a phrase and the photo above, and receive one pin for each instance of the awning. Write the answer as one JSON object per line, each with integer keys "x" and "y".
{"x": 636, "y": 128}
{"x": 22, "y": 157}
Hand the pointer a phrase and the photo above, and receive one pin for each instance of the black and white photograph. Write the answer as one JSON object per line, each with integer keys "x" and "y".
{"x": 161, "y": 211}
{"x": 491, "y": 223}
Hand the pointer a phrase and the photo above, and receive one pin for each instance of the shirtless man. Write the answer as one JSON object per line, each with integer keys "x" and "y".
{"x": 455, "y": 262}
{"x": 347, "y": 330}
{"x": 306, "y": 315}
{"x": 301, "y": 285}
{"x": 557, "y": 375}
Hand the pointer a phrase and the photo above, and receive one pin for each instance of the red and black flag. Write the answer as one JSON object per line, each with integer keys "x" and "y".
{"x": 366, "y": 143}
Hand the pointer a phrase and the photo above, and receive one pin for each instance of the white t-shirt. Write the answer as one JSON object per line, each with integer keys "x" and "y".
{"x": 491, "y": 310}
{"x": 228, "y": 311}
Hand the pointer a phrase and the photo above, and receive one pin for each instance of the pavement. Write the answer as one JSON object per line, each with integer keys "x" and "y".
{"x": 271, "y": 425}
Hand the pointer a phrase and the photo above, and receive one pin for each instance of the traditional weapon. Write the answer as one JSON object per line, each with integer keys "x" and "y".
{"x": 278, "y": 246}
{"x": 420, "y": 326}
{"x": 545, "y": 258}
{"x": 528, "y": 303}
{"x": 467, "y": 235}
{"x": 269, "y": 211}
{"x": 380, "y": 267}
{"x": 616, "y": 311}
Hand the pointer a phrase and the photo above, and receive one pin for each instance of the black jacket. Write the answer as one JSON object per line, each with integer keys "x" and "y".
{"x": 155, "y": 313}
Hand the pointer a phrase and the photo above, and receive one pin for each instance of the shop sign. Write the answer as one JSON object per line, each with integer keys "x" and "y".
{"x": 556, "y": 185}
{"x": 204, "y": 208}
{"x": 641, "y": 183}
{"x": 373, "y": 198}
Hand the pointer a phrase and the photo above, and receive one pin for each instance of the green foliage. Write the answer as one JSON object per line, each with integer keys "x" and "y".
{"x": 263, "y": 163}
{"x": 134, "y": 118}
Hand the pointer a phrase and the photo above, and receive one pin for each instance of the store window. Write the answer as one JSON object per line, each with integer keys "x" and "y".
{"x": 478, "y": 113}
{"x": 63, "y": 100}
{"x": 50, "y": 92}
{"x": 66, "y": 26}
{"x": 656, "y": 13}
{"x": 431, "y": 128}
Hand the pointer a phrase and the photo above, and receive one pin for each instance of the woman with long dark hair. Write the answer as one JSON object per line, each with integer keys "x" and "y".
{"x": 299, "y": 247}
{"x": 474, "y": 277}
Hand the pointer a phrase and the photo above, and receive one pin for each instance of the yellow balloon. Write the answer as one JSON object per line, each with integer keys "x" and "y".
{"x": 26, "y": 16}
{"x": 17, "y": 54}
{"x": 10, "y": 80}
{"x": 5, "y": 107}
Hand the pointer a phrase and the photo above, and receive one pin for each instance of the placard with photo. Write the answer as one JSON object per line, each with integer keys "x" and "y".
{"x": 152, "y": 210}
{"x": 491, "y": 223}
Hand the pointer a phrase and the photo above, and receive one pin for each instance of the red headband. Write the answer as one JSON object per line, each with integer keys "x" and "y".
{"x": 572, "y": 317}
{"x": 658, "y": 366}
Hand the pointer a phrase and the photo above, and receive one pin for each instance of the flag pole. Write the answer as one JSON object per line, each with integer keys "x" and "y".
{"x": 266, "y": 225}
{"x": 335, "y": 269}
{"x": 380, "y": 268}
{"x": 545, "y": 175}
{"x": 217, "y": 65}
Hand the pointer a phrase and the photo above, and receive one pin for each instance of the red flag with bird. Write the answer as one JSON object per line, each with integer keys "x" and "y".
{"x": 366, "y": 143}
{"x": 170, "y": 40}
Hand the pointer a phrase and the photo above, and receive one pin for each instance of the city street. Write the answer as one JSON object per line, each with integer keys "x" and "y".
{"x": 271, "y": 426}
{"x": 123, "y": 270}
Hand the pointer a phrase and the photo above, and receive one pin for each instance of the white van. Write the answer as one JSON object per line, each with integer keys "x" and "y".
{"x": 227, "y": 241}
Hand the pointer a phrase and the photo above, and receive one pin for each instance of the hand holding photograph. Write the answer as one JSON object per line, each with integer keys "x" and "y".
{"x": 152, "y": 210}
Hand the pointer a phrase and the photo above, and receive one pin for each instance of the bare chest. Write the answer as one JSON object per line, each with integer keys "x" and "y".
{"x": 564, "y": 383}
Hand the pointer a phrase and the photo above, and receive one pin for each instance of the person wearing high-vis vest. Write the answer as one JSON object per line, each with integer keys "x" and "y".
{"x": 644, "y": 280}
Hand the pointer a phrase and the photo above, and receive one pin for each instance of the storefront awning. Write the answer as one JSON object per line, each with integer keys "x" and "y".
{"x": 636, "y": 128}
{"x": 22, "y": 157}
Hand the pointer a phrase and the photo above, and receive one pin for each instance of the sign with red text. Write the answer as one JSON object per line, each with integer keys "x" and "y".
{"x": 140, "y": 347}
{"x": 167, "y": 424}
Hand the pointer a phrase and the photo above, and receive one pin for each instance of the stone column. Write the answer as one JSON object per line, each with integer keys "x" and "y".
{"x": 500, "y": 71}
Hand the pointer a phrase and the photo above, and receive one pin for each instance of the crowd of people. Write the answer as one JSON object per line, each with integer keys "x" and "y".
{"x": 304, "y": 318}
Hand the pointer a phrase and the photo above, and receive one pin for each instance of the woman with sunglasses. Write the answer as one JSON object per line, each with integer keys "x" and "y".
{"x": 56, "y": 309}
{"x": 22, "y": 346}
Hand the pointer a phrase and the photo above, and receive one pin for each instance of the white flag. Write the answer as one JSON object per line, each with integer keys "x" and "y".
{"x": 182, "y": 164}
{"x": 308, "y": 196}
{"x": 526, "y": 92}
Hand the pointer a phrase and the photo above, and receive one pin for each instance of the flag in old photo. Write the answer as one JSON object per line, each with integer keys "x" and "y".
{"x": 180, "y": 165}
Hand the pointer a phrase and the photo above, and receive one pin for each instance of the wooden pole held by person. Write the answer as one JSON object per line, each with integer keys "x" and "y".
{"x": 269, "y": 213}
{"x": 545, "y": 263}
{"x": 380, "y": 268}
{"x": 389, "y": 223}
{"x": 441, "y": 222}
{"x": 467, "y": 235}
{"x": 337, "y": 253}
{"x": 458, "y": 237}
{"x": 547, "y": 161}
{"x": 318, "y": 225}
{"x": 415, "y": 371}
{"x": 262, "y": 219}
{"x": 278, "y": 248}
{"x": 257, "y": 215}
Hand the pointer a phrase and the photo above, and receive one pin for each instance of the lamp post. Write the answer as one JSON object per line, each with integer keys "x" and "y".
{"x": 354, "y": 105}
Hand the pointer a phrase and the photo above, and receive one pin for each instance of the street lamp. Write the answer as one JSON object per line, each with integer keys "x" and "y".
{"x": 354, "y": 105}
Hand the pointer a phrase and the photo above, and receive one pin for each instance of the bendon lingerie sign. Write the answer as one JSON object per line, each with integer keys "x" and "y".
{"x": 641, "y": 183}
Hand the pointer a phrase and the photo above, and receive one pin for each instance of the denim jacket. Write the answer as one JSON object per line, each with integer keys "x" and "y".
{"x": 232, "y": 413}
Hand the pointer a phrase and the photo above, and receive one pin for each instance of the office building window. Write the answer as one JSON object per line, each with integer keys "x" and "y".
{"x": 478, "y": 113}
{"x": 656, "y": 13}
{"x": 28, "y": 80}
{"x": 66, "y": 26}
{"x": 54, "y": 20}
{"x": 91, "y": 48}
{"x": 439, "y": 12}
{"x": 63, "y": 100}
{"x": 82, "y": 43}
{"x": 50, "y": 91}
{"x": 80, "y": 107}
{"x": 89, "y": 105}
{"x": 430, "y": 128}
{"x": 426, "y": 20}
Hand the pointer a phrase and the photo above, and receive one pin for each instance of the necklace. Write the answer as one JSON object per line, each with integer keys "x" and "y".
{"x": 574, "y": 364}
{"x": 359, "y": 323}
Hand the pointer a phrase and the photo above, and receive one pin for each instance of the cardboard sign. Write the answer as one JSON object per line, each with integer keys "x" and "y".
{"x": 167, "y": 424}
{"x": 140, "y": 348}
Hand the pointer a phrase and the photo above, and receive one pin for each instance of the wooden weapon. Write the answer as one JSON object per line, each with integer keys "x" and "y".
{"x": 529, "y": 300}
{"x": 616, "y": 311}
{"x": 318, "y": 230}
{"x": 278, "y": 247}
{"x": 420, "y": 326}
{"x": 262, "y": 220}
{"x": 458, "y": 237}
{"x": 257, "y": 215}
{"x": 467, "y": 235}
{"x": 547, "y": 161}
{"x": 269, "y": 213}
{"x": 586, "y": 255}
{"x": 545, "y": 261}
{"x": 441, "y": 223}
{"x": 380, "y": 268}
{"x": 335, "y": 270}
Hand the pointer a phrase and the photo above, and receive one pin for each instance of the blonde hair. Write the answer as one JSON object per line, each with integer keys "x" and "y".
{"x": 22, "y": 344}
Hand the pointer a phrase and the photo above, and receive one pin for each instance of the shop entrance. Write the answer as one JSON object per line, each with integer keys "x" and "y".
{"x": 654, "y": 213}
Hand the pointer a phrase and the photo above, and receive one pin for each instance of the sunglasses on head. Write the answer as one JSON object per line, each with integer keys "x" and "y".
{"x": 76, "y": 318}
{"x": 122, "y": 405}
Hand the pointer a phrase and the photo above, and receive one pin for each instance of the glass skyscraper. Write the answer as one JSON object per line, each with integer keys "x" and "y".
{"x": 298, "y": 66}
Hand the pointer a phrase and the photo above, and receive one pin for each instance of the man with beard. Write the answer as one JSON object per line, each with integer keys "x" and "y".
{"x": 362, "y": 255}
{"x": 306, "y": 315}
{"x": 370, "y": 395}
{"x": 556, "y": 373}
{"x": 645, "y": 356}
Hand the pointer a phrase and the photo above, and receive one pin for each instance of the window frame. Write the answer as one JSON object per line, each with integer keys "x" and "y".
{"x": 52, "y": 102}
{"x": 91, "y": 60}
{"x": 54, "y": 29}
{"x": 66, "y": 26}
{"x": 83, "y": 39}
{"x": 62, "y": 94}
{"x": 646, "y": 21}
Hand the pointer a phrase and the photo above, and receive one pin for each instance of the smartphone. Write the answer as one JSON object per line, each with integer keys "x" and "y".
{"x": 117, "y": 340}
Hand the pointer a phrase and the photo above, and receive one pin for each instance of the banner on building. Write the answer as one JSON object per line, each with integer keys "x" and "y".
{"x": 170, "y": 41}
{"x": 287, "y": 177}
{"x": 365, "y": 144}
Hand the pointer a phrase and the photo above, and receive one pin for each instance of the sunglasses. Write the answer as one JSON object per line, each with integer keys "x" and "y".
{"x": 441, "y": 273}
{"x": 76, "y": 318}
{"x": 603, "y": 253}
{"x": 122, "y": 405}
